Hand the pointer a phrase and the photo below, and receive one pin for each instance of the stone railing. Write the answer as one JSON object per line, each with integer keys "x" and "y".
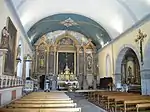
{"x": 10, "y": 81}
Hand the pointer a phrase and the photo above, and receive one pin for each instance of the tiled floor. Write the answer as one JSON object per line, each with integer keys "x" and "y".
{"x": 85, "y": 105}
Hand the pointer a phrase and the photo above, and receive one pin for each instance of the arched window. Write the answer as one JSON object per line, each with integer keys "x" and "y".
{"x": 108, "y": 66}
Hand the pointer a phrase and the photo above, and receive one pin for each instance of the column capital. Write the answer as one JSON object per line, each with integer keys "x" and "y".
{"x": 3, "y": 51}
{"x": 55, "y": 48}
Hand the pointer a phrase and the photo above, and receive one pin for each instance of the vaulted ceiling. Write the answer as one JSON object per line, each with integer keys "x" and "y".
{"x": 73, "y": 22}
{"x": 95, "y": 18}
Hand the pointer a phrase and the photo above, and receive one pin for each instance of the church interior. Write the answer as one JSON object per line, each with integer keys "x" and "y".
{"x": 63, "y": 56}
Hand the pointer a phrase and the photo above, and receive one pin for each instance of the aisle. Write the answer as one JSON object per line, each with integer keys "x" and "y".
{"x": 85, "y": 105}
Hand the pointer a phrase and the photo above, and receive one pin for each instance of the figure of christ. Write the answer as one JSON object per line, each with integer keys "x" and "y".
{"x": 5, "y": 38}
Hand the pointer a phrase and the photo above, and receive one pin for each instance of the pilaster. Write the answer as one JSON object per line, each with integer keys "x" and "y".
{"x": 24, "y": 71}
{"x": 85, "y": 86}
{"x": 47, "y": 55}
{"x": 145, "y": 81}
{"x": 77, "y": 60}
{"x": 36, "y": 58}
{"x": 55, "y": 59}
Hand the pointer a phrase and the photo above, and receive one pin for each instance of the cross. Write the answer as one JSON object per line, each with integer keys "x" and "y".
{"x": 140, "y": 39}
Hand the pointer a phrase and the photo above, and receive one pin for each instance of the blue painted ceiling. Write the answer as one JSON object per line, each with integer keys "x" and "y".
{"x": 83, "y": 25}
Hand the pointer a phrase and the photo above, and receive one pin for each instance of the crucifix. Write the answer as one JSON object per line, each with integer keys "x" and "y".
{"x": 139, "y": 40}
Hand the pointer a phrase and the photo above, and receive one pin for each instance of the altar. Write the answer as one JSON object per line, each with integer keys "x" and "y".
{"x": 67, "y": 78}
{"x": 70, "y": 57}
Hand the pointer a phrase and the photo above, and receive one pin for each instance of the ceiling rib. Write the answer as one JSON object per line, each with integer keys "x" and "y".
{"x": 126, "y": 7}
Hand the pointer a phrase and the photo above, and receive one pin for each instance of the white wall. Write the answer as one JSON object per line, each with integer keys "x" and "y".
{"x": 6, "y": 94}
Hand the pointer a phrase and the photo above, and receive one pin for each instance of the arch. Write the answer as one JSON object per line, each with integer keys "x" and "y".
{"x": 108, "y": 66}
{"x": 120, "y": 57}
{"x": 68, "y": 36}
{"x": 121, "y": 54}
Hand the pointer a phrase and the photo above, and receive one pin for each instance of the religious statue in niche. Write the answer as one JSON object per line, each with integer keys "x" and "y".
{"x": 130, "y": 76}
{"x": 89, "y": 62}
{"x": 5, "y": 38}
{"x": 41, "y": 61}
{"x": 66, "y": 41}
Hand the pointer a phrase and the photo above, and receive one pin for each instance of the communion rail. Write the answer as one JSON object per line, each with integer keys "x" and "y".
{"x": 10, "y": 81}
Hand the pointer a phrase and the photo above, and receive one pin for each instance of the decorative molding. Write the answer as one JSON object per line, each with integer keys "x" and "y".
{"x": 68, "y": 22}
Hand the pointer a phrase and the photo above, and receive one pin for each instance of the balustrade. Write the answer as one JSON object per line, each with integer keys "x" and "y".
{"x": 9, "y": 81}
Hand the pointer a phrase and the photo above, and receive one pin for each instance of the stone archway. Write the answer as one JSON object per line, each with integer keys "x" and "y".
{"x": 120, "y": 58}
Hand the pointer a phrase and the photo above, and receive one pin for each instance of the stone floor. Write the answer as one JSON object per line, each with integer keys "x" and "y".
{"x": 85, "y": 105}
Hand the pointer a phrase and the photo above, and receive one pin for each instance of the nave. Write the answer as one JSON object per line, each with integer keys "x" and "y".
{"x": 52, "y": 102}
{"x": 80, "y": 101}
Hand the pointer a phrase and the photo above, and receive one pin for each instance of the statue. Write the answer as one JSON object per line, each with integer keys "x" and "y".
{"x": 130, "y": 77}
{"x": 89, "y": 59}
{"x": 42, "y": 61}
{"x": 19, "y": 51}
{"x": 5, "y": 38}
{"x": 129, "y": 71}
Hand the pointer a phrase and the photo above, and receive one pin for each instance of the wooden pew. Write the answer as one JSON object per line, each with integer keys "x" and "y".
{"x": 41, "y": 110}
{"x": 42, "y": 102}
{"x": 42, "y": 105}
{"x": 105, "y": 99}
{"x": 114, "y": 99}
{"x": 43, "y": 99}
{"x": 143, "y": 106}
{"x": 131, "y": 104}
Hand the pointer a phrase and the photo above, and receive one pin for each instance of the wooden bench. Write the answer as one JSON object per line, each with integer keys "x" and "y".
{"x": 42, "y": 105}
{"x": 143, "y": 106}
{"x": 107, "y": 98}
{"x": 113, "y": 100}
{"x": 131, "y": 104}
{"x": 43, "y": 99}
{"x": 41, "y": 110}
{"x": 42, "y": 102}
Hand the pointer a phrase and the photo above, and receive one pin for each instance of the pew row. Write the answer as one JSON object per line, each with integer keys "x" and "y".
{"x": 42, "y": 102}
{"x": 42, "y": 105}
{"x": 43, "y": 99}
{"x": 41, "y": 110}
{"x": 117, "y": 101}
{"x": 142, "y": 106}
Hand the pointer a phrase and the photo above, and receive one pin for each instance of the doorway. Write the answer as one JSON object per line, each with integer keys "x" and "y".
{"x": 42, "y": 80}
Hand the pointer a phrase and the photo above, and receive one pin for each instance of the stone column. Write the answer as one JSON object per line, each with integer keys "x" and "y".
{"x": 117, "y": 80}
{"x": 55, "y": 64}
{"x": 24, "y": 71}
{"x": 55, "y": 60}
{"x": 36, "y": 59}
{"x": 85, "y": 85}
{"x": 145, "y": 81}
{"x": 94, "y": 70}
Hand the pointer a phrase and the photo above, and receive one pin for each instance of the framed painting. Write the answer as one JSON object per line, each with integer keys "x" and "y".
{"x": 9, "y": 67}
